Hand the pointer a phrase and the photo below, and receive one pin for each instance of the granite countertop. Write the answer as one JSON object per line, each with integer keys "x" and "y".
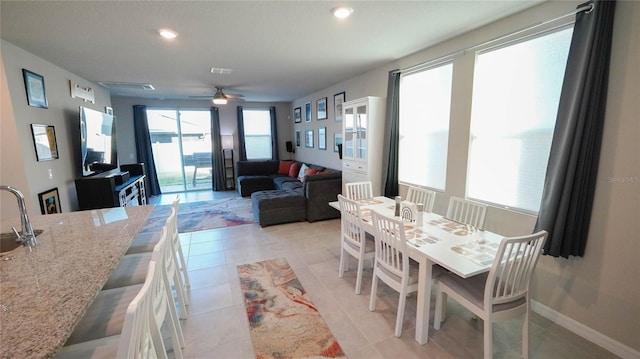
{"x": 45, "y": 292}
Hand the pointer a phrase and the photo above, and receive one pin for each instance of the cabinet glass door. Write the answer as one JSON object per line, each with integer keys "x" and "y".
{"x": 361, "y": 132}
{"x": 349, "y": 133}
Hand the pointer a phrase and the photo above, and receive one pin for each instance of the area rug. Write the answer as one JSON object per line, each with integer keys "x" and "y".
{"x": 284, "y": 322}
{"x": 198, "y": 216}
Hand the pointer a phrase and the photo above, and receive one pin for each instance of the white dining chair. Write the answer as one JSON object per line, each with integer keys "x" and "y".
{"x": 175, "y": 240}
{"x": 359, "y": 190}
{"x": 119, "y": 323}
{"x": 392, "y": 263}
{"x": 353, "y": 239}
{"x": 171, "y": 264}
{"x": 421, "y": 195}
{"x": 164, "y": 306}
{"x": 467, "y": 212}
{"x": 500, "y": 294}
{"x": 144, "y": 242}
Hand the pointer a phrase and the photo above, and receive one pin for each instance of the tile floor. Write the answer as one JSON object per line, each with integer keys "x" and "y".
{"x": 217, "y": 326}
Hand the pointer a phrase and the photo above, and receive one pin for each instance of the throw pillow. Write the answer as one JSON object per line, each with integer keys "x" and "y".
{"x": 294, "y": 169}
{"x": 309, "y": 171}
{"x": 303, "y": 168}
{"x": 284, "y": 167}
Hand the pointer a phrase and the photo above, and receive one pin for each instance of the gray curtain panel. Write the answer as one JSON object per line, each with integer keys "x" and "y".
{"x": 391, "y": 137}
{"x": 217, "y": 167}
{"x": 242, "y": 151}
{"x": 567, "y": 198}
{"x": 143, "y": 149}
{"x": 274, "y": 135}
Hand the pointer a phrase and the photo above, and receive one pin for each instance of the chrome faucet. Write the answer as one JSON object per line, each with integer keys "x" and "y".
{"x": 27, "y": 238}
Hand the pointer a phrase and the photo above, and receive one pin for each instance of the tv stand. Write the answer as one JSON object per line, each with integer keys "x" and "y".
{"x": 116, "y": 188}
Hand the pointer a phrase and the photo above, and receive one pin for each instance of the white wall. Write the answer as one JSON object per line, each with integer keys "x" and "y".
{"x": 598, "y": 293}
{"x": 62, "y": 113}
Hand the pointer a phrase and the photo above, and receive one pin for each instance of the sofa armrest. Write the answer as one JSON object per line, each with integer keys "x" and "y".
{"x": 319, "y": 191}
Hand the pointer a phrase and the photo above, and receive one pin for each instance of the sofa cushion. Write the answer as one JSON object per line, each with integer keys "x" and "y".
{"x": 292, "y": 186}
{"x": 294, "y": 169}
{"x": 280, "y": 180}
{"x": 283, "y": 168}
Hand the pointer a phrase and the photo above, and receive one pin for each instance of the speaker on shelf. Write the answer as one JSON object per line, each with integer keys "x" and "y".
{"x": 290, "y": 147}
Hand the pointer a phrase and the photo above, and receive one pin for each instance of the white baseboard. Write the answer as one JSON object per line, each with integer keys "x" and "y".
{"x": 584, "y": 331}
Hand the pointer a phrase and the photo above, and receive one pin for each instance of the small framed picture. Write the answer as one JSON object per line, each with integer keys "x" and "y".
{"x": 108, "y": 110}
{"x": 307, "y": 112}
{"x": 44, "y": 139}
{"x": 322, "y": 138}
{"x": 50, "y": 201}
{"x": 308, "y": 139}
{"x": 298, "y": 138}
{"x": 338, "y": 100}
{"x": 297, "y": 115}
{"x": 34, "y": 84}
{"x": 321, "y": 108}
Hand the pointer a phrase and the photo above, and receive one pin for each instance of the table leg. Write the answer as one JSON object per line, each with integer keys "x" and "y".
{"x": 424, "y": 300}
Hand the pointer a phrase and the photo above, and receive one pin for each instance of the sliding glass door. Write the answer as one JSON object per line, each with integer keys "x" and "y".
{"x": 181, "y": 144}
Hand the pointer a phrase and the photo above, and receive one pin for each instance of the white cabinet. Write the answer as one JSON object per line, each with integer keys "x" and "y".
{"x": 362, "y": 130}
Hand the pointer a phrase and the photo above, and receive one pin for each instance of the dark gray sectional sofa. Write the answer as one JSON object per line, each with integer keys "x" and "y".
{"x": 278, "y": 198}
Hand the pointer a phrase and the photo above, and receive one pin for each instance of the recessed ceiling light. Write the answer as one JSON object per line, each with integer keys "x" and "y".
{"x": 342, "y": 12}
{"x": 168, "y": 34}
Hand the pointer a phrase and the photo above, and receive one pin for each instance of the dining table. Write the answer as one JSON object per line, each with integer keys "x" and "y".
{"x": 460, "y": 248}
{"x": 46, "y": 289}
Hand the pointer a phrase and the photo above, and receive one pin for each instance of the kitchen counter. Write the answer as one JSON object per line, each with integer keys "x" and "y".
{"x": 45, "y": 292}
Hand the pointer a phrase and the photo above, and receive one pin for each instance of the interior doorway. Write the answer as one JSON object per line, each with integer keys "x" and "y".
{"x": 181, "y": 145}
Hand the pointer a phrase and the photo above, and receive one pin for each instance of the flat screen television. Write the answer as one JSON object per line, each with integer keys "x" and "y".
{"x": 98, "y": 141}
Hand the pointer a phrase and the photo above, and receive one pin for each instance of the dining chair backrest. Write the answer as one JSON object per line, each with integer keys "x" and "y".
{"x": 171, "y": 263}
{"x": 467, "y": 212}
{"x": 512, "y": 268}
{"x": 164, "y": 306}
{"x": 421, "y": 195}
{"x": 391, "y": 245}
{"x": 359, "y": 190}
{"x": 351, "y": 225}
{"x": 139, "y": 329}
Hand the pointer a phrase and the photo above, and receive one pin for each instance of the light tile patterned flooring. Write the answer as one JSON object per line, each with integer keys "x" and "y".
{"x": 217, "y": 326}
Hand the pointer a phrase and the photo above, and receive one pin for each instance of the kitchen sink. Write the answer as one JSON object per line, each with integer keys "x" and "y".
{"x": 8, "y": 241}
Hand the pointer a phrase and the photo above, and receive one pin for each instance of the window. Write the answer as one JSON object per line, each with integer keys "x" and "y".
{"x": 425, "y": 102}
{"x": 257, "y": 134}
{"x": 516, "y": 91}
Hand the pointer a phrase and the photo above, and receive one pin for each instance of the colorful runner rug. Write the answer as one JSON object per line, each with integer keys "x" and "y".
{"x": 198, "y": 216}
{"x": 284, "y": 322}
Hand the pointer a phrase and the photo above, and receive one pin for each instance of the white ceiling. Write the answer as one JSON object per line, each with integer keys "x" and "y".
{"x": 278, "y": 50}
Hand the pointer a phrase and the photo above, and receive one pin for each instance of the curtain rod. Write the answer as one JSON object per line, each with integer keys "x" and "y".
{"x": 588, "y": 9}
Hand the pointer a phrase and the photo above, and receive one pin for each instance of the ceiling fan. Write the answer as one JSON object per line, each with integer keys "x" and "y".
{"x": 221, "y": 98}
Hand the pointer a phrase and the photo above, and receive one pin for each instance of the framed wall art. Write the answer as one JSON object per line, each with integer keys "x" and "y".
{"x": 307, "y": 112}
{"x": 34, "y": 84}
{"x": 44, "y": 140}
{"x": 322, "y": 138}
{"x": 321, "y": 108}
{"x": 308, "y": 139}
{"x": 338, "y": 100}
{"x": 297, "y": 115}
{"x": 298, "y": 138}
{"x": 49, "y": 201}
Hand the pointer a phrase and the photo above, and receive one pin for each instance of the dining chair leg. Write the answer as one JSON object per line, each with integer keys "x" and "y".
{"x": 525, "y": 334}
{"x": 400, "y": 316}
{"x": 441, "y": 303}
{"x": 488, "y": 337}
{"x": 359, "y": 276}
{"x": 344, "y": 263}
{"x": 374, "y": 290}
